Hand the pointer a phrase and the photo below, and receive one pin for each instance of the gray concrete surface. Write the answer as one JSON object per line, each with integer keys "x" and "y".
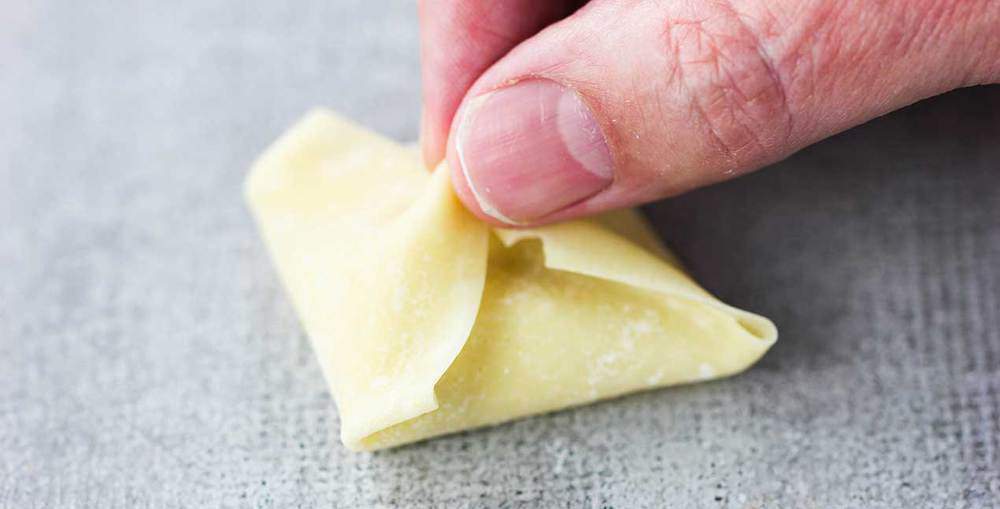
{"x": 148, "y": 357}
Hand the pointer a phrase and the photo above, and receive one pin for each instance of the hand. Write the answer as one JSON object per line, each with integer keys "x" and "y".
{"x": 547, "y": 112}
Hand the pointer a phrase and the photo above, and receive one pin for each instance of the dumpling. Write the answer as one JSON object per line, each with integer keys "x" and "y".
{"x": 427, "y": 321}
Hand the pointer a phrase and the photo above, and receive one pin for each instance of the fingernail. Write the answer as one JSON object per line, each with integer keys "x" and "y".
{"x": 531, "y": 149}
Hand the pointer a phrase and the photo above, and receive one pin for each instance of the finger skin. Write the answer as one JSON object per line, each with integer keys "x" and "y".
{"x": 692, "y": 93}
{"x": 461, "y": 39}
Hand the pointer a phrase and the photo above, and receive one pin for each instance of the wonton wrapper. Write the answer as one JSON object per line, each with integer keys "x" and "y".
{"x": 427, "y": 321}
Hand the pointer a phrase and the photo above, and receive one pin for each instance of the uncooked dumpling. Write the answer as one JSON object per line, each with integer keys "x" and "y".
{"x": 427, "y": 321}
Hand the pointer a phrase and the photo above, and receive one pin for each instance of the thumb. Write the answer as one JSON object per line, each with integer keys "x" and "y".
{"x": 627, "y": 102}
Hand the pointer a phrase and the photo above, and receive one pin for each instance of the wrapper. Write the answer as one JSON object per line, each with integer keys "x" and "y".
{"x": 427, "y": 321}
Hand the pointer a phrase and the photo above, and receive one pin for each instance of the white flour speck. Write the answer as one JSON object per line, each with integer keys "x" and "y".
{"x": 706, "y": 371}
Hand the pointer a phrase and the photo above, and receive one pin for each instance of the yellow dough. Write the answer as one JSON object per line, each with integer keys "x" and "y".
{"x": 427, "y": 321}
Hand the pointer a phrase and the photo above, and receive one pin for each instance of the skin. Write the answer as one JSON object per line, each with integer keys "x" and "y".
{"x": 688, "y": 93}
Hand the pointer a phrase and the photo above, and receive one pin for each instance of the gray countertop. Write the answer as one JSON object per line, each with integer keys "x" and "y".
{"x": 148, "y": 357}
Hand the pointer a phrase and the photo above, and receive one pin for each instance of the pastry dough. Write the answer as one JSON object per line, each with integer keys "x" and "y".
{"x": 427, "y": 321}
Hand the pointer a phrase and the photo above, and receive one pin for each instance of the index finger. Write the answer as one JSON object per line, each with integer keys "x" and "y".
{"x": 460, "y": 40}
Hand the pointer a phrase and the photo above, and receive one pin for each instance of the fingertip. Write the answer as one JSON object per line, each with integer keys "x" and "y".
{"x": 460, "y": 183}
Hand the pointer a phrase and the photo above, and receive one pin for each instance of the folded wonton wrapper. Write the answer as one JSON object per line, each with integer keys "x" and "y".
{"x": 427, "y": 321}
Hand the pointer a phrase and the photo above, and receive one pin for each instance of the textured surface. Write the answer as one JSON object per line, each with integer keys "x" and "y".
{"x": 149, "y": 359}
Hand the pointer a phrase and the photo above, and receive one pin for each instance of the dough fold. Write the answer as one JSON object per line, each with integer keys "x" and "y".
{"x": 426, "y": 321}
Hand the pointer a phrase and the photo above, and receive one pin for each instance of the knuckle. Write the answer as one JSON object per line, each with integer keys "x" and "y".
{"x": 730, "y": 86}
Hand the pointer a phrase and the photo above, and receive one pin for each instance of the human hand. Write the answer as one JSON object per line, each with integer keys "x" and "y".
{"x": 547, "y": 113}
